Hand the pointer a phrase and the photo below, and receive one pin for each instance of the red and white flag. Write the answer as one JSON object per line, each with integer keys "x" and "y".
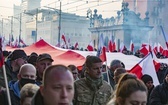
{"x": 122, "y": 47}
{"x": 63, "y": 38}
{"x": 131, "y": 46}
{"x": 103, "y": 54}
{"x": 160, "y": 48}
{"x": 76, "y": 45}
{"x": 110, "y": 44}
{"x": 90, "y": 46}
{"x": 155, "y": 49}
{"x": 146, "y": 66}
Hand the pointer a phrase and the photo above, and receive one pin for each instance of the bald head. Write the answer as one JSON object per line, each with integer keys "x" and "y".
{"x": 27, "y": 67}
{"x": 58, "y": 82}
{"x": 27, "y": 71}
{"x": 56, "y": 72}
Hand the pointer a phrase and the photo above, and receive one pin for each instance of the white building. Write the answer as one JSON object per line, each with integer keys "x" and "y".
{"x": 73, "y": 27}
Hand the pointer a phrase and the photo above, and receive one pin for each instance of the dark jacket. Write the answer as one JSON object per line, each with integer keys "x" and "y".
{"x": 9, "y": 73}
{"x": 159, "y": 95}
{"x": 86, "y": 93}
{"x": 14, "y": 94}
{"x": 111, "y": 76}
{"x": 37, "y": 99}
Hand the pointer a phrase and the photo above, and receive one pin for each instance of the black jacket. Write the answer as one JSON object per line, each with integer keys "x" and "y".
{"x": 37, "y": 99}
{"x": 159, "y": 95}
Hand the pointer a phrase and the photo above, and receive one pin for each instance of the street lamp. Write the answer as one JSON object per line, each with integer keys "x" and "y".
{"x": 20, "y": 24}
{"x": 3, "y": 24}
{"x": 59, "y": 27}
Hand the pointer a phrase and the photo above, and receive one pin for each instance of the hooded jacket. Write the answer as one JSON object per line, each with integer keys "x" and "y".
{"x": 14, "y": 94}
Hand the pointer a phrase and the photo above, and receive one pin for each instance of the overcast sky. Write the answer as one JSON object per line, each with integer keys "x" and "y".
{"x": 105, "y": 7}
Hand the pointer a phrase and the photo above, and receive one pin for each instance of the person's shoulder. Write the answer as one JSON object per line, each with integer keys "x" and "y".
{"x": 106, "y": 84}
{"x": 81, "y": 83}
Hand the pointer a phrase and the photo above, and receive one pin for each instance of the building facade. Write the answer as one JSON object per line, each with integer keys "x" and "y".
{"x": 158, "y": 16}
{"x": 74, "y": 27}
{"x": 125, "y": 27}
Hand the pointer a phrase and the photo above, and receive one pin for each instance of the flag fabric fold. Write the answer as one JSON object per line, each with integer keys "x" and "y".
{"x": 101, "y": 52}
{"x": 146, "y": 66}
{"x": 90, "y": 46}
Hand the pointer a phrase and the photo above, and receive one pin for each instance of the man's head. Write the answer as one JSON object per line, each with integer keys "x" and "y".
{"x": 116, "y": 64}
{"x": 58, "y": 85}
{"x": 42, "y": 62}
{"x": 93, "y": 67}
{"x": 74, "y": 71}
{"x": 18, "y": 58}
{"x": 27, "y": 74}
{"x": 147, "y": 79}
{"x": 117, "y": 74}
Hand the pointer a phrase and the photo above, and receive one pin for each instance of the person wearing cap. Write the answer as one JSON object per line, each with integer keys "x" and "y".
{"x": 159, "y": 95}
{"x": 113, "y": 66}
{"x": 148, "y": 81}
{"x": 15, "y": 60}
{"x": 43, "y": 61}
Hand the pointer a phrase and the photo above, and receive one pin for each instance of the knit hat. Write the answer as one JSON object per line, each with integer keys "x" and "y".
{"x": 146, "y": 78}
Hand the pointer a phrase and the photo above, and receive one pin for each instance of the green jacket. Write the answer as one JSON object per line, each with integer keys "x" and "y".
{"x": 87, "y": 94}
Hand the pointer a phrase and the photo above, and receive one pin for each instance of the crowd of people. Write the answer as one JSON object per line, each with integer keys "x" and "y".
{"x": 34, "y": 80}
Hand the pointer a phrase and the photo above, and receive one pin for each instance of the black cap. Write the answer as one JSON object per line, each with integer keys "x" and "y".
{"x": 43, "y": 57}
{"x": 18, "y": 54}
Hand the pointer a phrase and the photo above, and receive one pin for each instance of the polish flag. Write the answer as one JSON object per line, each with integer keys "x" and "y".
{"x": 156, "y": 61}
{"x": 114, "y": 45}
{"x": 165, "y": 53}
{"x": 63, "y": 38}
{"x": 155, "y": 49}
{"x": 144, "y": 50}
{"x": 131, "y": 46}
{"x": 90, "y": 46}
{"x": 160, "y": 48}
{"x": 103, "y": 54}
{"x": 110, "y": 46}
{"x": 76, "y": 45}
{"x": 146, "y": 66}
{"x": 122, "y": 47}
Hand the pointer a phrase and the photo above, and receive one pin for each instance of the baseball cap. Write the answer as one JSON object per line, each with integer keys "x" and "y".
{"x": 43, "y": 57}
{"x": 18, "y": 54}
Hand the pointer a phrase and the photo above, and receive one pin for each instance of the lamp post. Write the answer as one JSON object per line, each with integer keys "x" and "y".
{"x": 3, "y": 24}
{"x": 59, "y": 26}
{"x": 20, "y": 24}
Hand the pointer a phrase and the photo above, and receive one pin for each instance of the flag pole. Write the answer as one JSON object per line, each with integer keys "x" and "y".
{"x": 108, "y": 79}
{"x": 6, "y": 84}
